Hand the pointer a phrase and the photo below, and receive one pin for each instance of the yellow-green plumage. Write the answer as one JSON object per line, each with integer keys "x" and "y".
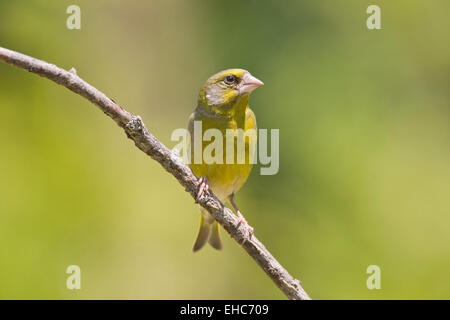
{"x": 223, "y": 105}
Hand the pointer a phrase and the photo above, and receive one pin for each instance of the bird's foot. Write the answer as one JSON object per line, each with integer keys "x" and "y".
{"x": 248, "y": 230}
{"x": 202, "y": 188}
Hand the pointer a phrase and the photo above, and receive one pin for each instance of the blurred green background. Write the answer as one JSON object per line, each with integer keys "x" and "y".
{"x": 364, "y": 149}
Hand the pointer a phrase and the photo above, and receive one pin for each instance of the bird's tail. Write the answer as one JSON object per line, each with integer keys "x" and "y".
{"x": 208, "y": 232}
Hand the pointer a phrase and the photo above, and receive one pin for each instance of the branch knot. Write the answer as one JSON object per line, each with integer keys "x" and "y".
{"x": 135, "y": 124}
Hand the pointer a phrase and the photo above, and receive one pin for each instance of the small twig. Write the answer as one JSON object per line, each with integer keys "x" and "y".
{"x": 144, "y": 140}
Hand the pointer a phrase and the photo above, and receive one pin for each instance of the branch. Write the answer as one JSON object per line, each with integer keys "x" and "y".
{"x": 144, "y": 140}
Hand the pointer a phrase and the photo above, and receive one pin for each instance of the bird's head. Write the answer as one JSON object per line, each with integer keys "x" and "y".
{"x": 225, "y": 90}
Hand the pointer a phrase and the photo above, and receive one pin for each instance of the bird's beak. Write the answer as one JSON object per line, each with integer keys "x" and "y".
{"x": 249, "y": 83}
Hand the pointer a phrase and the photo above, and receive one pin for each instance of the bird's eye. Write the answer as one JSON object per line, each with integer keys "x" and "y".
{"x": 230, "y": 79}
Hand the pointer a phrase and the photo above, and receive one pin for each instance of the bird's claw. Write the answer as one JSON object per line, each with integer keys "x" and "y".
{"x": 248, "y": 230}
{"x": 202, "y": 188}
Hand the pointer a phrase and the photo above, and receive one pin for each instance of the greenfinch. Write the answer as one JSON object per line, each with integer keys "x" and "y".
{"x": 222, "y": 105}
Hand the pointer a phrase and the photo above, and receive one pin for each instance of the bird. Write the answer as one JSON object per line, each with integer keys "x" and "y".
{"x": 223, "y": 104}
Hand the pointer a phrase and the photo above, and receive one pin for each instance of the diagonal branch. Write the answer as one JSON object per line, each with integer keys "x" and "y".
{"x": 144, "y": 140}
